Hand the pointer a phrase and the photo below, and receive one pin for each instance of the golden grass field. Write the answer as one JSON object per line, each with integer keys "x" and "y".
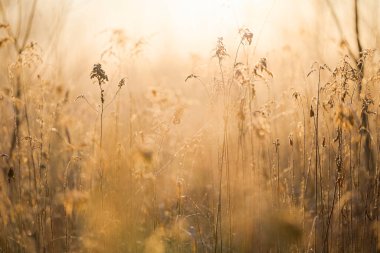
{"x": 176, "y": 126}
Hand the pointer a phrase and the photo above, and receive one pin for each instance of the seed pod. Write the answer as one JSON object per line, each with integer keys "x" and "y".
{"x": 311, "y": 112}
{"x": 291, "y": 140}
{"x": 11, "y": 174}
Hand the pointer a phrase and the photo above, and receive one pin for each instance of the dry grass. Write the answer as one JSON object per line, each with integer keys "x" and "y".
{"x": 222, "y": 163}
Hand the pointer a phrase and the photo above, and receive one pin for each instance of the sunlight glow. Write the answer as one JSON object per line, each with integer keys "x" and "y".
{"x": 194, "y": 24}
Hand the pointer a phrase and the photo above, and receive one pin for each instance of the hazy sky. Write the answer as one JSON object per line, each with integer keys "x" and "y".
{"x": 183, "y": 25}
{"x": 192, "y": 26}
{"x": 180, "y": 29}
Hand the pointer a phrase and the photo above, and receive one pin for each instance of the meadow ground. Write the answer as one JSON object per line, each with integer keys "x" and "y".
{"x": 266, "y": 140}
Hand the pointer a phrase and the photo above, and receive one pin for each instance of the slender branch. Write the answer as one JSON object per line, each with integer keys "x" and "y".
{"x": 30, "y": 23}
{"x": 340, "y": 29}
{"x": 357, "y": 29}
{"x": 113, "y": 98}
{"x": 85, "y": 99}
{"x": 359, "y": 62}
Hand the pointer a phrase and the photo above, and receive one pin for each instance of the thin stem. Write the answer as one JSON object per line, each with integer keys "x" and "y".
{"x": 101, "y": 145}
{"x": 317, "y": 154}
{"x": 30, "y": 23}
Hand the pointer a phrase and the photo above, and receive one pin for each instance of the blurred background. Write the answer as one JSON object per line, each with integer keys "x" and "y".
{"x": 209, "y": 126}
{"x": 79, "y": 31}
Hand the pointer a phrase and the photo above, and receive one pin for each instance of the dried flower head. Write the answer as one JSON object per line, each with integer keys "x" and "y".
{"x": 191, "y": 76}
{"x": 98, "y": 73}
{"x": 296, "y": 95}
{"x": 220, "y": 50}
{"x": 260, "y": 68}
{"x": 121, "y": 83}
{"x": 246, "y": 35}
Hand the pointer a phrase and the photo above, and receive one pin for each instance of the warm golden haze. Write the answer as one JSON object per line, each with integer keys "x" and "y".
{"x": 189, "y": 126}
